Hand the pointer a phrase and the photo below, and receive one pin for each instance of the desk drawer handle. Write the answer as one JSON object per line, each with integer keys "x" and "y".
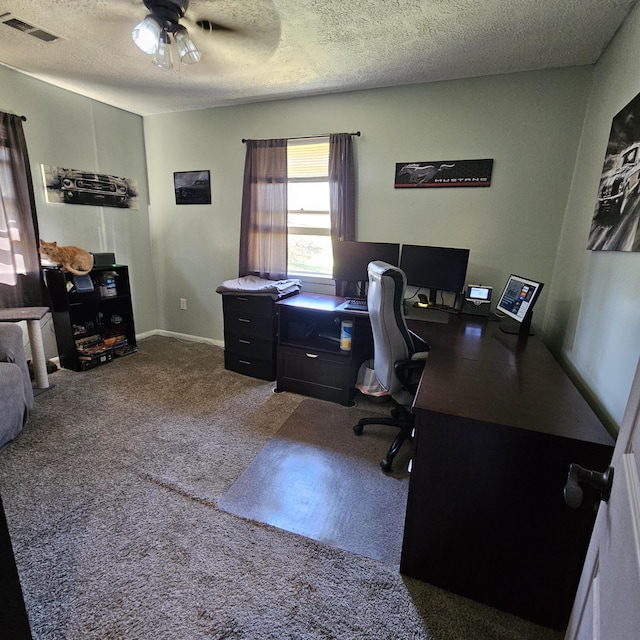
{"x": 244, "y": 341}
{"x": 311, "y": 355}
{"x": 241, "y": 298}
{"x": 244, "y": 362}
{"x": 243, "y": 320}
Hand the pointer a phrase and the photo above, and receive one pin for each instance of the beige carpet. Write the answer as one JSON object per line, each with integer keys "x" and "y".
{"x": 315, "y": 477}
{"x": 111, "y": 495}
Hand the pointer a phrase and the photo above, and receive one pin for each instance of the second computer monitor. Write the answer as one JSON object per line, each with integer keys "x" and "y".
{"x": 435, "y": 268}
{"x": 350, "y": 258}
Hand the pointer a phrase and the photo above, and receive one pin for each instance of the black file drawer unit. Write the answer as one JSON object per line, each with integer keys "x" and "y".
{"x": 250, "y": 330}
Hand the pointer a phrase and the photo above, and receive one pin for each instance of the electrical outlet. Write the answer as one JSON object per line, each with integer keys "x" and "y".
{"x": 183, "y": 304}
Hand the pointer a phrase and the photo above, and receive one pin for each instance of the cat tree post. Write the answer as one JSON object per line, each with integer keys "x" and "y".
{"x": 32, "y": 316}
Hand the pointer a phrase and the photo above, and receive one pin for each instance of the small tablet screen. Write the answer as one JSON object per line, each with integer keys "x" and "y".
{"x": 477, "y": 292}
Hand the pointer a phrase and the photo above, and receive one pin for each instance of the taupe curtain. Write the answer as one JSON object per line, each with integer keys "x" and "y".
{"x": 342, "y": 187}
{"x": 20, "y": 275}
{"x": 263, "y": 225}
{"x": 342, "y": 193}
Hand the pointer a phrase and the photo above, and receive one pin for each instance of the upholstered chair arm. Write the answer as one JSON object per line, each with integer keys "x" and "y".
{"x": 419, "y": 344}
{"x": 409, "y": 372}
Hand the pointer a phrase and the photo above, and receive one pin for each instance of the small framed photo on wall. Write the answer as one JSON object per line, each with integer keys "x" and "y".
{"x": 192, "y": 187}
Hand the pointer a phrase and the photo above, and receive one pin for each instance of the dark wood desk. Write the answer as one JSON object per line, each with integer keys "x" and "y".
{"x": 310, "y": 360}
{"x": 497, "y": 424}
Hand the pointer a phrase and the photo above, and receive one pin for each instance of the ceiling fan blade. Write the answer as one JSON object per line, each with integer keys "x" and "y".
{"x": 208, "y": 26}
{"x": 243, "y": 35}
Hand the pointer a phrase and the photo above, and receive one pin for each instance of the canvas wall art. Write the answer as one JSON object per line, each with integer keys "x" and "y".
{"x": 192, "y": 187}
{"x": 614, "y": 226}
{"x": 75, "y": 186}
{"x": 443, "y": 173}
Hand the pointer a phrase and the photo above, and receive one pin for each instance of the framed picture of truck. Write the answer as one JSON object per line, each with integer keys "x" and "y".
{"x": 192, "y": 187}
{"x": 614, "y": 226}
{"x": 76, "y": 186}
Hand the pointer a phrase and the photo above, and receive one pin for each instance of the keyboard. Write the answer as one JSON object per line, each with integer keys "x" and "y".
{"x": 355, "y": 304}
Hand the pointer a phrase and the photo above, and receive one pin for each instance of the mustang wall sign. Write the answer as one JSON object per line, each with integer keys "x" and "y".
{"x": 444, "y": 173}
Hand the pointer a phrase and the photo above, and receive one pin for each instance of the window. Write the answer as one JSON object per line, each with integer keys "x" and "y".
{"x": 308, "y": 216}
{"x": 12, "y": 261}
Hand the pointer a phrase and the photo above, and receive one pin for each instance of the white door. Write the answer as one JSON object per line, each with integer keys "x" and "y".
{"x": 607, "y": 604}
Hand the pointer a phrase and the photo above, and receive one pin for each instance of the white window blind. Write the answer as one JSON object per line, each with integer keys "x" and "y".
{"x": 308, "y": 222}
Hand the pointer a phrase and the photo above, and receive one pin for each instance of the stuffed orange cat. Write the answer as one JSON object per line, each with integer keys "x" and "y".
{"x": 69, "y": 258}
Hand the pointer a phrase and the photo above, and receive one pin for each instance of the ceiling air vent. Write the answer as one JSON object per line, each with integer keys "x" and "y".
{"x": 25, "y": 27}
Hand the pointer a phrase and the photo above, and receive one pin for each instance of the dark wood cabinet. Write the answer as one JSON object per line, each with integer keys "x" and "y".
{"x": 498, "y": 423}
{"x": 14, "y": 621}
{"x": 310, "y": 360}
{"x": 92, "y": 316}
{"x": 250, "y": 328}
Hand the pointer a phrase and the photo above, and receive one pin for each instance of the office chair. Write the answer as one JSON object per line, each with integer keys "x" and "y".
{"x": 398, "y": 354}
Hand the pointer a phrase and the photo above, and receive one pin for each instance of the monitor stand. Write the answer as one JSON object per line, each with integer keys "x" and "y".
{"x": 522, "y": 329}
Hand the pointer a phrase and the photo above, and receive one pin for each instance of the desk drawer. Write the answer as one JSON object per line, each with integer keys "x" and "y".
{"x": 249, "y": 346}
{"x": 315, "y": 374}
{"x": 258, "y": 306}
{"x": 244, "y": 324}
{"x": 250, "y": 366}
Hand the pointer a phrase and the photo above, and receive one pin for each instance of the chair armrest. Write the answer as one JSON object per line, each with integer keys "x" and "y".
{"x": 419, "y": 344}
{"x": 409, "y": 372}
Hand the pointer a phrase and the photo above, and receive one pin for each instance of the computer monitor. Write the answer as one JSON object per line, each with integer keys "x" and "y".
{"x": 516, "y": 302}
{"x": 351, "y": 258}
{"x": 435, "y": 268}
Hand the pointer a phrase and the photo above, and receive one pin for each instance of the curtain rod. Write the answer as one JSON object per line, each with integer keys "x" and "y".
{"x": 23, "y": 118}
{"x": 320, "y": 135}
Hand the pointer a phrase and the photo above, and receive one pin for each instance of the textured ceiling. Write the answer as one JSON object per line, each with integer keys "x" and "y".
{"x": 288, "y": 48}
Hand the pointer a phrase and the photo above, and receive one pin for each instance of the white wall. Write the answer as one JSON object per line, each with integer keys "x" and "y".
{"x": 67, "y": 130}
{"x": 594, "y": 315}
{"x": 528, "y": 123}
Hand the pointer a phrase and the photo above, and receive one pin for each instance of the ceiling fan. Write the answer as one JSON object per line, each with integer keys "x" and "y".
{"x": 153, "y": 35}
{"x": 227, "y": 32}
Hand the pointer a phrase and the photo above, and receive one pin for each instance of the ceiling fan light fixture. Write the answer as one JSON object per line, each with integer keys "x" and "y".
{"x": 162, "y": 57}
{"x": 187, "y": 50}
{"x": 147, "y": 33}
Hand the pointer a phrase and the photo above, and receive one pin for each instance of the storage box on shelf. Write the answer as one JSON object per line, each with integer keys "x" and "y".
{"x": 92, "y": 316}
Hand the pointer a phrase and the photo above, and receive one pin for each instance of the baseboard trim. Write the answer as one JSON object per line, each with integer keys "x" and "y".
{"x": 179, "y": 336}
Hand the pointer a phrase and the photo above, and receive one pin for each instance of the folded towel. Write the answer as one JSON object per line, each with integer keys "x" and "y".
{"x": 253, "y": 285}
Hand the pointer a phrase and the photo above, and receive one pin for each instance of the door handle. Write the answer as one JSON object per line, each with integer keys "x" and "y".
{"x": 599, "y": 481}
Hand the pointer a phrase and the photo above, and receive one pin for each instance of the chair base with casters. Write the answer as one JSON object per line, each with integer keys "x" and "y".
{"x": 400, "y": 418}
